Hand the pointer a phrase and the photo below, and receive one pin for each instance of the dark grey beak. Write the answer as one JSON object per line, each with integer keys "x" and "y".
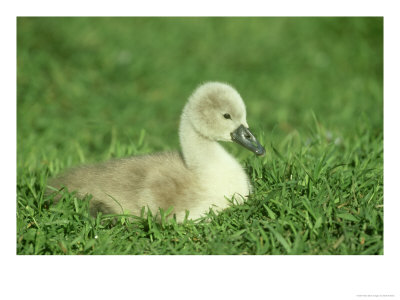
{"x": 244, "y": 137}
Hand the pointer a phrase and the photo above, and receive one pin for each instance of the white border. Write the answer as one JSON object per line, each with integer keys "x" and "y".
{"x": 202, "y": 8}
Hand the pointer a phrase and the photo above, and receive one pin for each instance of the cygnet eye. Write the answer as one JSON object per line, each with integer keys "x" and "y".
{"x": 227, "y": 116}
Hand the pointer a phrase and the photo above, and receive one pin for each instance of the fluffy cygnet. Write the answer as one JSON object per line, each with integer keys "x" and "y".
{"x": 204, "y": 175}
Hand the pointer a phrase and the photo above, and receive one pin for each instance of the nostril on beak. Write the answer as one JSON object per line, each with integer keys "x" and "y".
{"x": 247, "y": 133}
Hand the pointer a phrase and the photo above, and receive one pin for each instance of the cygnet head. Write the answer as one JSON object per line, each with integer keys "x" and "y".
{"x": 217, "y": 112}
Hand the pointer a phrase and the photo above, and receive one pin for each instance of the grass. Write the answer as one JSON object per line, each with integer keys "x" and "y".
{"x": 91, "y": 89}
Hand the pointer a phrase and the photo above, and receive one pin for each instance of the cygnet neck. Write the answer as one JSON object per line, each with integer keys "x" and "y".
{"x": 199, "y": 152}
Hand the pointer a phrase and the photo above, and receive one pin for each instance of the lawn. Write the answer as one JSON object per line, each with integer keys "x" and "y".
{"x": 93, "y": 89}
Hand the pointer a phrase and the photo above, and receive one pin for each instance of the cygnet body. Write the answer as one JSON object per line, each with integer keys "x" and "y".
{"x": 203, "y": 176}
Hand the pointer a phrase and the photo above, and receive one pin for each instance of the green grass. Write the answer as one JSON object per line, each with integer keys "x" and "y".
{"x": 91, "y": 89}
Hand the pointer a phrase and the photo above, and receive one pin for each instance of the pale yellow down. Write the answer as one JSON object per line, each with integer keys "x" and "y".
{"x": 203, "y": 176}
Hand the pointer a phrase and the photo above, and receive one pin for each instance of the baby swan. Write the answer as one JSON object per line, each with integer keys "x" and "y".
{"x": 203, "y": 176}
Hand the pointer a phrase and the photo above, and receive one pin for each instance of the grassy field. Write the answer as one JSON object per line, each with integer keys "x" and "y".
{"x": 92, "y": 89}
